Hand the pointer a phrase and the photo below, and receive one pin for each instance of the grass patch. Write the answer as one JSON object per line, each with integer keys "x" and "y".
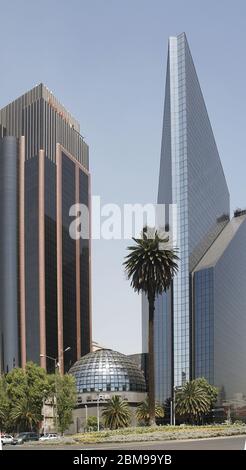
{"x": 158, "y": 433}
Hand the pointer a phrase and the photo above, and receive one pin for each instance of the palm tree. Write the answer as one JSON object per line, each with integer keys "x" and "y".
{"x": 25, "y": 414}
{"x": 192, "y": 401}
{"x": 116, "y": 413}
{"x": 3, "y": 416}
{"x": 151, "y": 269}
{"x": 142, "y": 411}
{"x": 4, "y": 405}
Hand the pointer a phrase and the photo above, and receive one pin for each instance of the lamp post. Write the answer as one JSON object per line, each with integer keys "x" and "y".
{"x": 173, "y": 412}
{"x": 57, "y": 365}
{"x": 54, "y": 359}
{"x": 86, "y": 416}
{"x": 229, "y": 414}
{"x": 44, "y": 417}
{"x": 98, "y": 416}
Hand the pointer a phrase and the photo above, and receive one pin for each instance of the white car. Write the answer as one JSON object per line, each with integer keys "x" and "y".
{"x": 6, "y": 439}
{"x": 48, "y": 437}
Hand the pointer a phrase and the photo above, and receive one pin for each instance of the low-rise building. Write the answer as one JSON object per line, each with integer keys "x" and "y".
{"x": 99, "y": 376}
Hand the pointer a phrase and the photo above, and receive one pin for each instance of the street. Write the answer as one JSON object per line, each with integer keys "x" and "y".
{"x": 218, "y": 443}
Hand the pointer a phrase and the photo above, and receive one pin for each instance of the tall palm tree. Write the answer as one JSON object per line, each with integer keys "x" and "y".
{"x": 142, "y": 411}
{"x": 116, "y": 413}
{"x": 192, "y": 401}
{"x": 25, "y": 414}
{"x": 151, "y": 266}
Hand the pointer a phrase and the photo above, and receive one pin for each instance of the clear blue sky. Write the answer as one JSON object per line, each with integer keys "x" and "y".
{"x": 105, "y": 60}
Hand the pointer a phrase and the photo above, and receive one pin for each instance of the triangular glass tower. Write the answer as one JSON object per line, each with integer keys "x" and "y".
{"x": 191, "y": 176}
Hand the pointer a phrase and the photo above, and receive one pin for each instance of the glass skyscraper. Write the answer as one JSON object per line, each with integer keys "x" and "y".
{"x": 219, "y": 302}
{"x": 192, "y": 177}
{"x": 44, "y": 274}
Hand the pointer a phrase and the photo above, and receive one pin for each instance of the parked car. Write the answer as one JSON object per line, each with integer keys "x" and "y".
{"x": 25, "y": 437}
{"x": 6, "y": 439}
{"x": 49, "y": 437}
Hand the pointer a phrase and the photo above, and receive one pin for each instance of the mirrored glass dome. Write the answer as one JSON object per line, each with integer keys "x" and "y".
{"x": 107, "y": 371}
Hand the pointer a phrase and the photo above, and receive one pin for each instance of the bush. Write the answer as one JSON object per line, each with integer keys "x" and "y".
{"x": 92, "y": 423}
{"x": 239, "y": 422}
{"x": 160, "y": 433}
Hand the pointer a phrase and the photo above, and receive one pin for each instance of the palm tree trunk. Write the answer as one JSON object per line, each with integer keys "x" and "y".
{"x": 151, "y": 361}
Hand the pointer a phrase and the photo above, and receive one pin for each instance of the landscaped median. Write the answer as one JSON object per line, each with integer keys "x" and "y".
{"x": 160, "y": 433}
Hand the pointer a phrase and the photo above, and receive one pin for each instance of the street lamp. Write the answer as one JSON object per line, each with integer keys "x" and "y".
{"x": 86, "y": 417}
{"x": 57, "y": 365}
{"x": 44, "y": 416}
{"x": 98, "y": 416}
{"x": 173, "y": 413}
{"x": 54, "y": 359}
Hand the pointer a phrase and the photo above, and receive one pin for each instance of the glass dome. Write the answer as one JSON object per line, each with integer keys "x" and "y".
{"x": 107, "y": 371}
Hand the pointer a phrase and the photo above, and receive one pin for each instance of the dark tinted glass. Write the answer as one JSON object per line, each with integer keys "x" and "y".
{"x": 68, "y": 262}
{"x": 31, "y": 259}
{"x": 84, "y": 270}
{"x": 50, "y": 263}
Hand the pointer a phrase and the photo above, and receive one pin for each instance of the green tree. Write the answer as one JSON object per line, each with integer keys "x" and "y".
{"x": 192, "y": 401}
{"x": 4, "y": 405}
{"x": 142, "y": 412}
{"x": 212, "y": 392}
{"x": 32, "y": 380}
{"x": 92, "y": 423}
{"x": 66, "y": 396}
{"x": 25, "y": 414}
{"x": 151, "y": 266}
{"x": 26, "y": 389}
{"x": 116, "y": 413}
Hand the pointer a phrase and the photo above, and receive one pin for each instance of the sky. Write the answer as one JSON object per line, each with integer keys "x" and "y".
{"x": 105, "y": 60}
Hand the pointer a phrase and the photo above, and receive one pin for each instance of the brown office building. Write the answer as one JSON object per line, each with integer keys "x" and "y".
{"x": 44, "y": 273}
